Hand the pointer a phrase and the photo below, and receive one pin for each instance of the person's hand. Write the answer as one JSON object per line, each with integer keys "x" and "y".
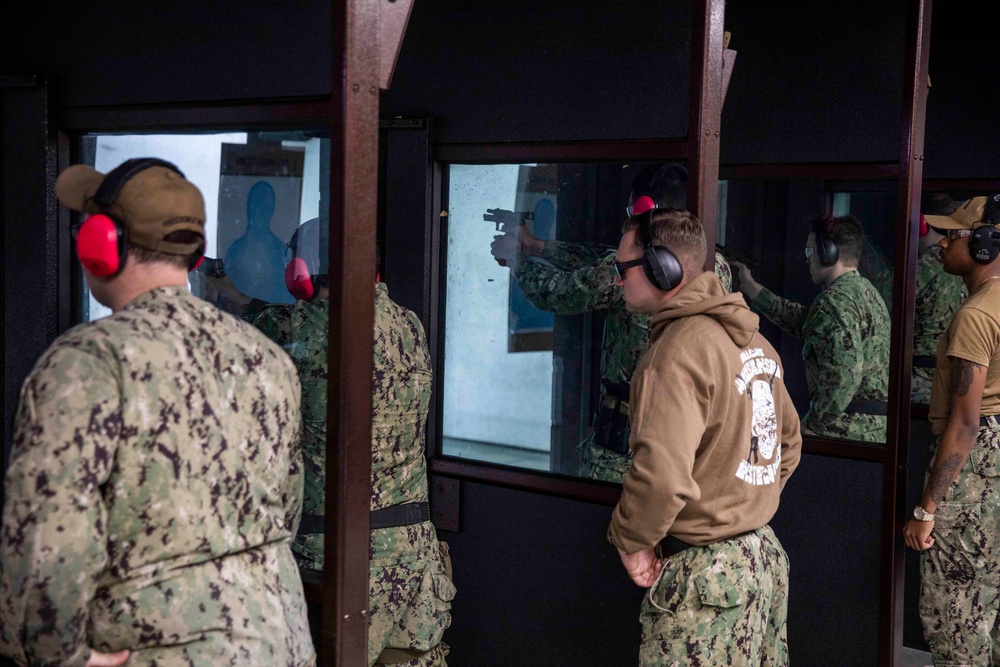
{"x": 504, "y": 248}
{"x": 747, "y": 284}
{"x": 643, "y": 566}
{"x": 107, "y": 659}
{"x": 217, "y": 288}
{"x": 515, "y": 238}
{"x": 917, "y": 534}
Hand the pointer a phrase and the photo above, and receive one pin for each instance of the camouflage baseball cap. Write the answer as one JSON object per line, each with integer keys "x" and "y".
{"x": 150, "y": 197}
{"x": 968, "y": 216}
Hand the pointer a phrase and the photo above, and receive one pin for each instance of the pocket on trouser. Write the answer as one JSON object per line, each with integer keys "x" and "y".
{"x": 985, "y": 455}
{"x": 957, "y": 555}
{"x": 702, "y": 611}
{"x": 422, "y": 624}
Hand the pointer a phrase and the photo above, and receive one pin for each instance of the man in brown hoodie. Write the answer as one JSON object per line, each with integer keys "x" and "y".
{"x": 715, "y": 437}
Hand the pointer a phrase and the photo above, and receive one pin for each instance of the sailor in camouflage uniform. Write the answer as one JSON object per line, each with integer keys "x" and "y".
{"x": 715, "y": 438}
{"x": 956, "y": 526}
{"x": 410, "y": 588}
{"x": 155, "y": 480}
{"x": 581, "y": 277}
{"x": 845, "y": 334}
{"x": 938, "y": 297}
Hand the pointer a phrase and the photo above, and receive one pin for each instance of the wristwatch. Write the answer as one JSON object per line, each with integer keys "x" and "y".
{"x": 920, "y": 514}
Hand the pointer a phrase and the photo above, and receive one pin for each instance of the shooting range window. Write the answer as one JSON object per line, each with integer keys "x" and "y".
{"x": 258, "y": 188}
{"x": 525, "y": 310}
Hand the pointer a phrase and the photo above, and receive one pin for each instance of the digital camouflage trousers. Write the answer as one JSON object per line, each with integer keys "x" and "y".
{"x": 960, "y": 573}
{"x": 719, "y": 605}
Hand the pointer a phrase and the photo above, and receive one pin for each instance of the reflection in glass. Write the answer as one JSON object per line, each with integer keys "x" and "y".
{"x": 262, "y": 197}
{"x": 527, "y": 402}
{"x": 834, "y": 344}
{"x": 938, "y": 296}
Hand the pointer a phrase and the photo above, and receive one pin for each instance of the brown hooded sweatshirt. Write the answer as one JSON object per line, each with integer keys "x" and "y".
{"x": 714, "y": 432}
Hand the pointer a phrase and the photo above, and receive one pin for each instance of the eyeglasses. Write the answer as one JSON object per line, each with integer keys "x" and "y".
{"x": 954, "y": 234}
{"x": 809, "y": 251}
{"x": 622, "y": 267}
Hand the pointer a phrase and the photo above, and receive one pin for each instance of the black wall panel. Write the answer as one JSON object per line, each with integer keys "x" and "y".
{"x": 30, "y": 247}
{"x": 817, "y": 82}
{"x": 962, "y": 134}
{"x": 538, "y": 584}
{"x": 119, "y": 52}
{"x": 515, "y": 70}
{"x": 829, "y": 522}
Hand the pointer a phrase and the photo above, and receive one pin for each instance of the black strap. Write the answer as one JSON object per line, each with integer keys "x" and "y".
{"x": 312, "y": 524}
{"x": 865, "y": 407}
{"x": 985, "y": 421}
{"x": 670, "y": 545}
{"x": 924, "y": 361}
{"x": 387, "y": 517}
{"x": 400, "y": 515}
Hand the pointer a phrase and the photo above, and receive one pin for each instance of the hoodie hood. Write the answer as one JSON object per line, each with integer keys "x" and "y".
{"x": 704, "y": 295}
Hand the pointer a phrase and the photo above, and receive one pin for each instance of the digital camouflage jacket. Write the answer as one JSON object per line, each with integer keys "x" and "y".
{"x": 845, "y": 349}
{"x": 939, "y": 295}
{"x": 154, "y": 486}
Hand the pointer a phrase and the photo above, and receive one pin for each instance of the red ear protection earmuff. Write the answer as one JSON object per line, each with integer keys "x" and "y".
{"x": 923, "y": 226}
{"x": 101, "y": 245}
{"x": 297, "y": 279}
{"x": 641, "y": 205}
{"x": 102, "y": 242}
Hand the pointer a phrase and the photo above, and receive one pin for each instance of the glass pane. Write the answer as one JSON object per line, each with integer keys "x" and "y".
{"x": 539, "y": 350}
{"x": 938, "y": 294}
{"x": 256, "y": 195}
{"x": 812, "y": 278}
{"x": 264, "y": 212}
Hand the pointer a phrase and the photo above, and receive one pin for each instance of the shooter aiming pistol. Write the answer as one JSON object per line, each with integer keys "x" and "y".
{"x": 731, "y": 255}
{"x": 507, "y": 221}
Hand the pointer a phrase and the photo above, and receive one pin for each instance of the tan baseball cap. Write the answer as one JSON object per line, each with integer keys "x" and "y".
{"x": 150, "y": 197}
{"x": 968, "y": 216}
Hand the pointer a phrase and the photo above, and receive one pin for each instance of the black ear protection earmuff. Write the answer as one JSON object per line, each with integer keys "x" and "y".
{"x": 826, "y": 250}
{"x": 984, "y": 243}
{"x": 661, "y": 265}
{"x": 102, "y": 239}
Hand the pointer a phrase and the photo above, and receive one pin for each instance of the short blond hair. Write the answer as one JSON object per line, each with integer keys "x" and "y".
{"x": 678, "y": 230}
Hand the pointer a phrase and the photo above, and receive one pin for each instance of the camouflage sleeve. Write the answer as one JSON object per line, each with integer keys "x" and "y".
{"x": 570, "y": 292}
{"x": 788, "y": 315}
{"x": 832, "y": 354}
{"x": 52, "y": 544}
{"x": 574, "y": 255}
{"x": 273, "y": 322}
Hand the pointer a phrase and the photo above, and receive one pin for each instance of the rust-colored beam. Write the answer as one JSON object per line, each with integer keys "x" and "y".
{"x": 353, "y": 202}
{"x": 706, "y": 93}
